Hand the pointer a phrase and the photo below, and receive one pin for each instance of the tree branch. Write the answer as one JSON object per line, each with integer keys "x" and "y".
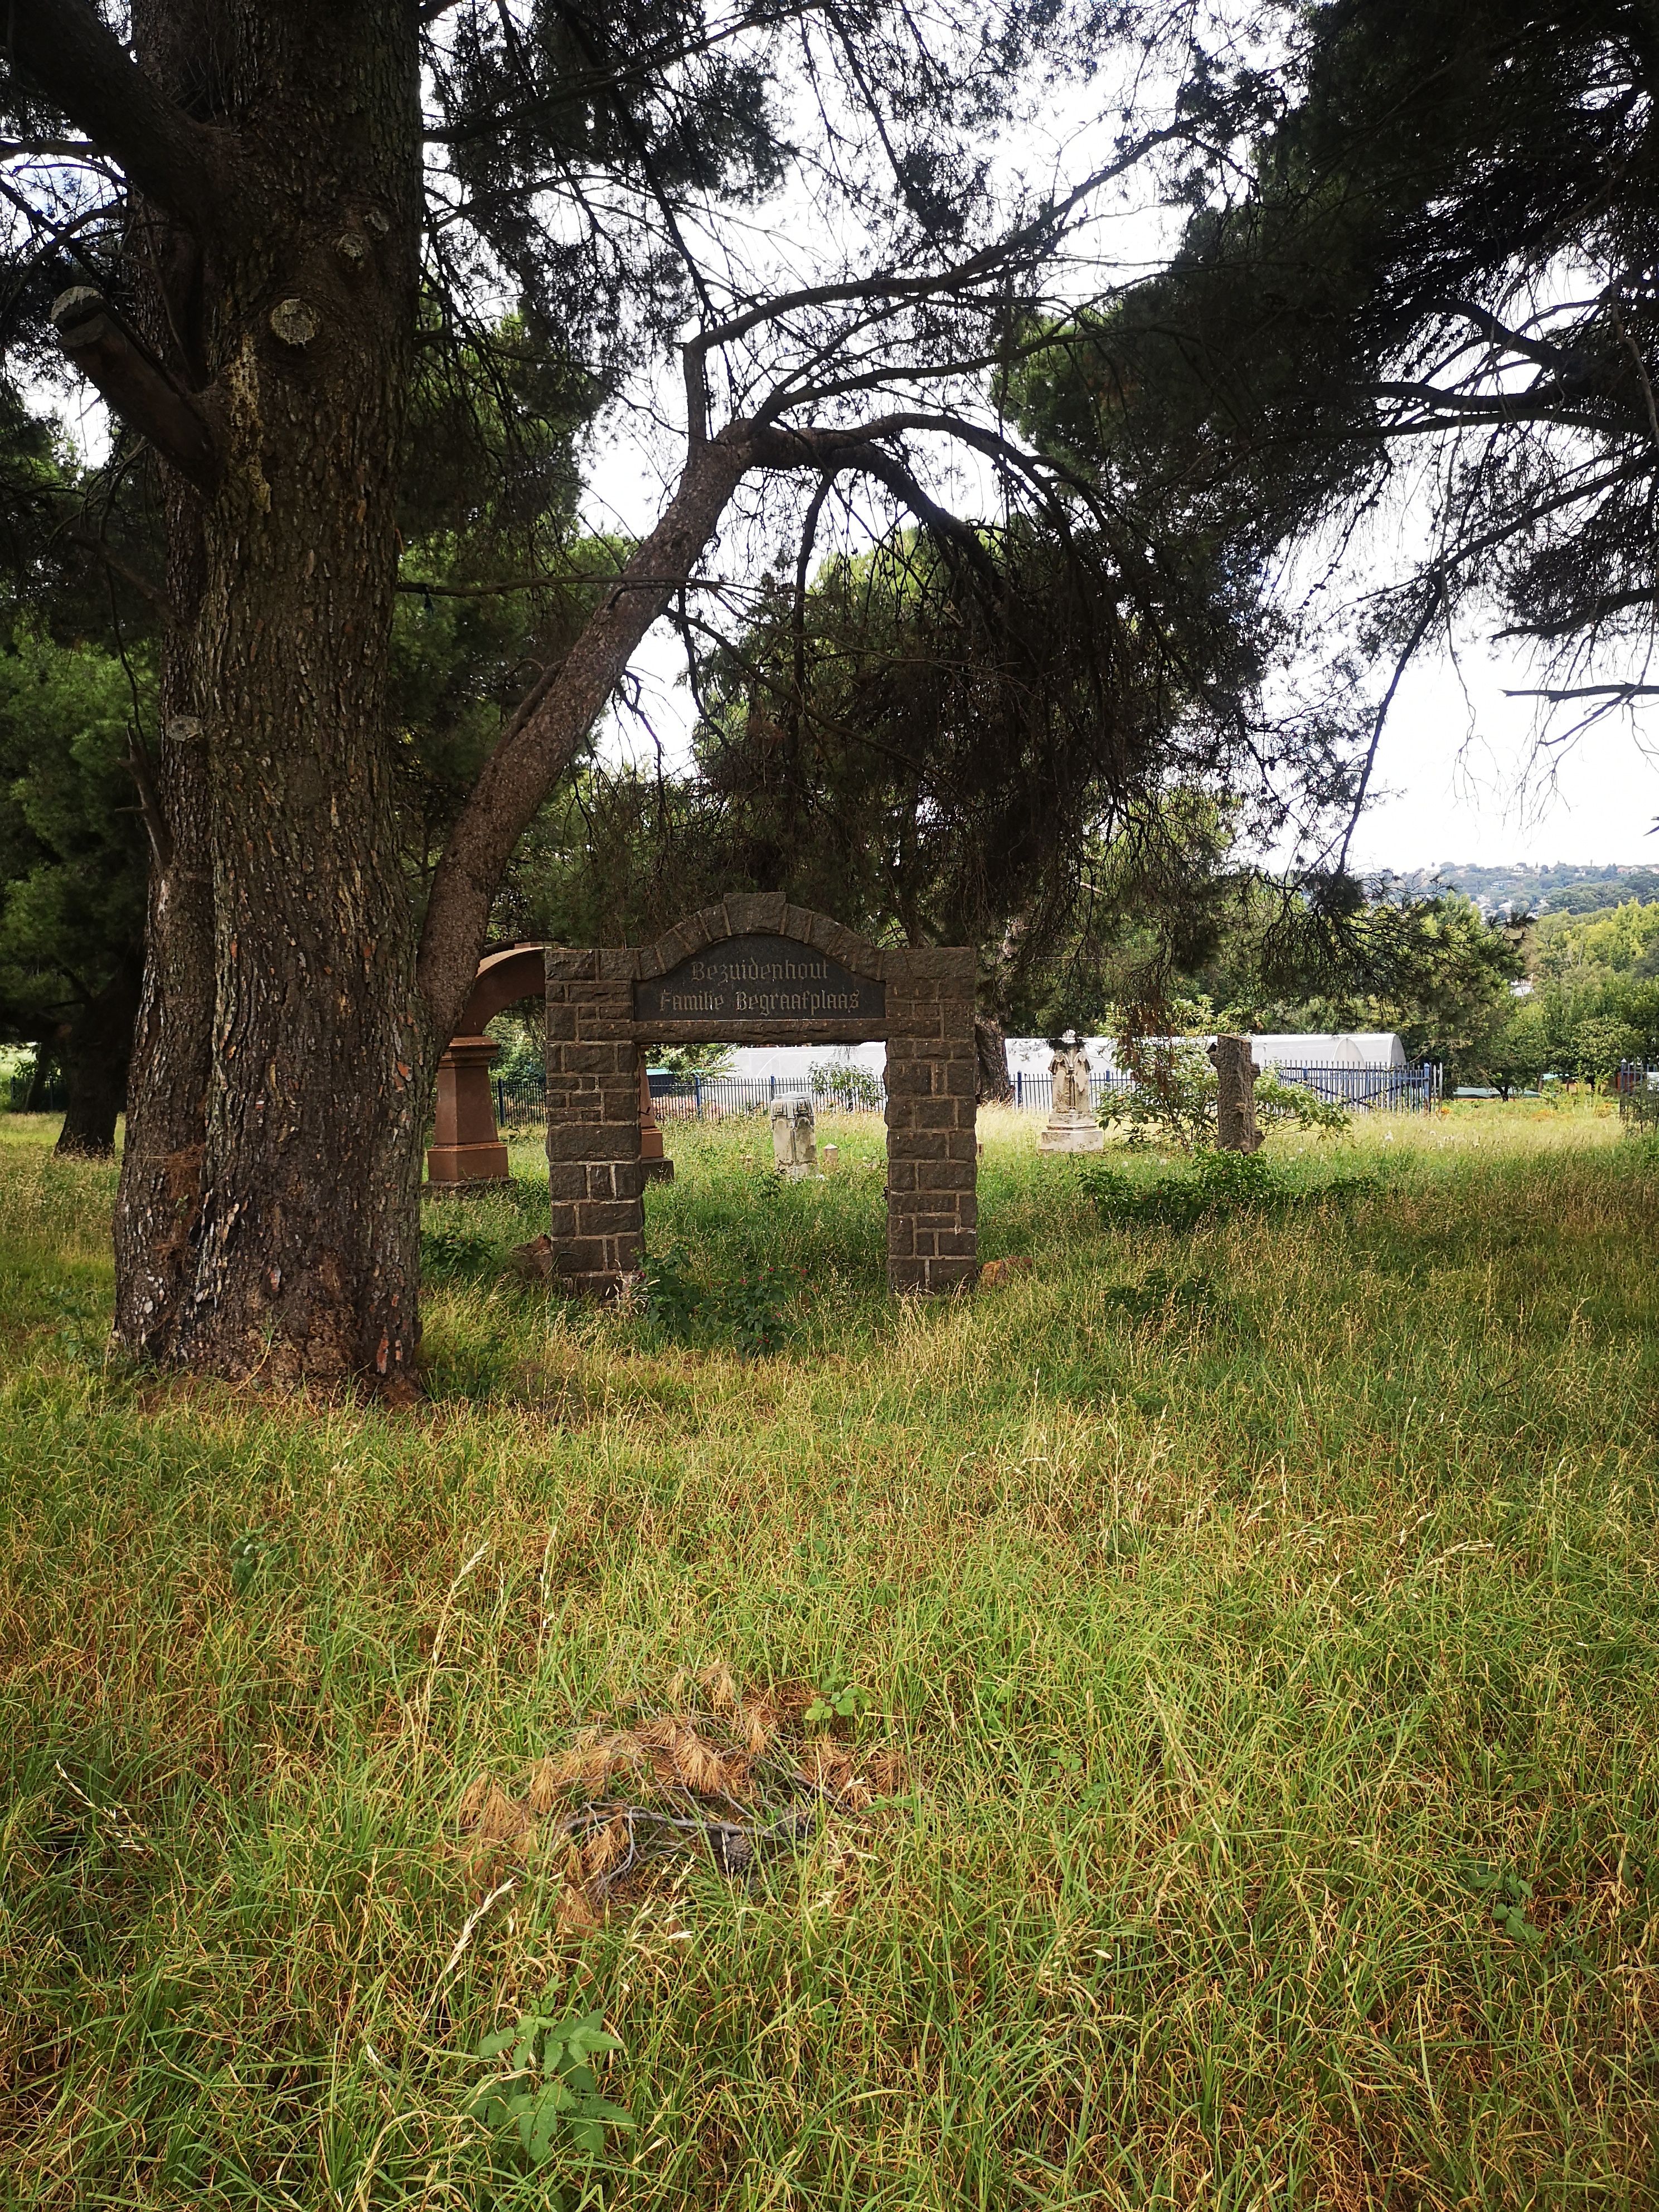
{"x": 1431, "y": 605}
{"x": 141, "y": 584}
{"x": 136, "y": 386}
{"x": 1589, "y": 691}
{"x": 82, "y": 67}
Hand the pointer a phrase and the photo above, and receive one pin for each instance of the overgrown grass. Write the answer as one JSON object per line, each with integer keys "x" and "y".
{"x": 1246, "y": 1614}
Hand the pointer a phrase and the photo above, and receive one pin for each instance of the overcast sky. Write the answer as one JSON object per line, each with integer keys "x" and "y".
{"x": 1489, "y": 799}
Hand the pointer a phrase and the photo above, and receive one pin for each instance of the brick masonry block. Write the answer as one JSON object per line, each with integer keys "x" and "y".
{"x": 681, "y": 942}
{"x": 759, "y": 913}
{"x": 944, "y": 1175}
{"x": 568, "y": 966}
{"x": 600, "y": 1059}
{"x": 620, "y": 965}
{"x": 946, "y": 1275}
{"x": 941, "y": 963}
{"x": 607, "y": 1217}
{"x": 908, "y": 1078}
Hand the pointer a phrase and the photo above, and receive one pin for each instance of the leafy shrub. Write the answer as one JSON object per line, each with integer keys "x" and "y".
{"x": 1175, "y": 1102}
{"x": 548, "y": 2092}
{"x": 1215, "y": 1186}
{"x": 845, "y": 1083}
{"x": 1161, "y": 1295}
{"x": 747, "y": 1313}
{"x": 454, "y": 1247}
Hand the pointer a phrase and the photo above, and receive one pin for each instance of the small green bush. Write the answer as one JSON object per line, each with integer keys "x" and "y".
{"x": 1214, "y": 1185}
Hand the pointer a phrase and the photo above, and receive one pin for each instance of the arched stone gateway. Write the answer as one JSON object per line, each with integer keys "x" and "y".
{"x": 467, "y": 1149}
{"x": 755, "y": 970}
{"x": 466, "y": 1145}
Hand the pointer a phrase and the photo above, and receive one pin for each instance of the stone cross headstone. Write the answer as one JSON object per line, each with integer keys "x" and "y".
{"x": 1236, "y": 1074}
{"x": 795, "y": 1139}
{"x": 1071, "y": 1126}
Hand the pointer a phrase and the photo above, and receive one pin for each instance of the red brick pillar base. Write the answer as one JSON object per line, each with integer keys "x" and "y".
{"x": 467, "y": 1146}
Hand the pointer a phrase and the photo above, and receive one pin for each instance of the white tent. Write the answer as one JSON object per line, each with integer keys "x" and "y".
{"x": 1350, "y": 1049}
{"x": 793, "y": 1063}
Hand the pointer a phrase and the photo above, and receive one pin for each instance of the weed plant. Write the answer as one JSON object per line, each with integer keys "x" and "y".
{"x": 1245, "y": 1634}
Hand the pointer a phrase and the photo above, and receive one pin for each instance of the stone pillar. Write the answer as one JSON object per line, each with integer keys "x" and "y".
{"x": 932, "y": 1213}
{"x": 467, "y": 1146}
{"x": 1236, "y": 1073}
{"x": 593, "y": 1166}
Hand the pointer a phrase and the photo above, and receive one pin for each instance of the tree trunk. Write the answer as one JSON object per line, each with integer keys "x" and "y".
{"x": 991, "y": 1051}
{"x": 268, "y": 1215}
{"x": 48, "y": 1053}
{"x": 96, "y": 1062}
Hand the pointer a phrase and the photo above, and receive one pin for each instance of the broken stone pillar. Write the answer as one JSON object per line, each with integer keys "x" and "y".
{"x": 1236, "y": 1074}
{"x": 795, "y": 1139}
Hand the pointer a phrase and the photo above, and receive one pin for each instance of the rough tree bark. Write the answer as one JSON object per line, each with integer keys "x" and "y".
{"x": 991, "y": 1054}
{"x": 268, "y": 1216}
{"x": 48, "y": 1055}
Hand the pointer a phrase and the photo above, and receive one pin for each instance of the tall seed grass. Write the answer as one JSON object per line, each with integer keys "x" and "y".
{"x": 1235, "y": 1607}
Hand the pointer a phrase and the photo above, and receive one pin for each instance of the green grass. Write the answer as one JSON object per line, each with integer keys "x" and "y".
{"x": 1235, "y": 1608}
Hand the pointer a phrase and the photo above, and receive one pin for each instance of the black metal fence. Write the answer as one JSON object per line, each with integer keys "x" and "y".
{"x": 521, "y": 1099}
{"x": 54, "y": 1091}
{"x": 1637, "y": 1085}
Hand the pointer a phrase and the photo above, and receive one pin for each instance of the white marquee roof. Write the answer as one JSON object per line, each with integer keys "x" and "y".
{"x": 1350, "y": 1049}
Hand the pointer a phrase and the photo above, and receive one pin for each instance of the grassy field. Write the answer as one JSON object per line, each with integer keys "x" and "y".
{"x": 1247, "y": 1794}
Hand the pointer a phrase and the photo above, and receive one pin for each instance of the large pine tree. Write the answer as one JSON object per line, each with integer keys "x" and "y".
{"x": 254, "y": 221}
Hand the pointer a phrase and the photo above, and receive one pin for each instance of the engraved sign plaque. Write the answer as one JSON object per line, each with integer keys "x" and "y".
{"x": 759, "y": 979}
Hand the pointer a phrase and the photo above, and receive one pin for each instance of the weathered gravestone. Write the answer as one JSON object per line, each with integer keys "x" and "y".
{"x": 1236, "y": 1073}
{"x": 756, "y": 970}
{"x": 795, "y": 1139}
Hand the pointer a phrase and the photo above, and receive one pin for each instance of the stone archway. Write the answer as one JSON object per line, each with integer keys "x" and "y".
{"x": 466, "y": 1148}
{"x": 756, "y": 970}
{"x": 466, "y": 1145}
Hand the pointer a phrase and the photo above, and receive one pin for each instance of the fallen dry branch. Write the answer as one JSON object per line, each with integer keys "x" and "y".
{"x": 731, "y": 1789}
